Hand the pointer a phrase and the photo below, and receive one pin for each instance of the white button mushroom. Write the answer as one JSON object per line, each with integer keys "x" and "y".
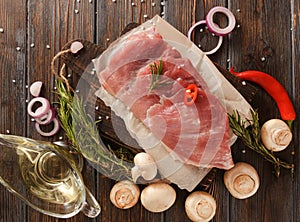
{"x": 276, "y": 135}
{"x": 158, "y": 197}
{"x": 200, "y": 206}
{"x": 242, "y": 181}
{"x": 145, "y": 167}
{"x": 124, "y": 194}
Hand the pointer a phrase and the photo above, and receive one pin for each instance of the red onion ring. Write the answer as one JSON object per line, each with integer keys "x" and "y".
{"x": 219, "y": 42}
{"x": 38, "y": 112}
{"x": 47, "y": 118}
{"x": 52, "y": 132}
{"x": 213, "y": 27}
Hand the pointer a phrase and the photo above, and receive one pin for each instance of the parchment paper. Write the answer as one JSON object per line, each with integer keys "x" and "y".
{"x": 184, "y": 175}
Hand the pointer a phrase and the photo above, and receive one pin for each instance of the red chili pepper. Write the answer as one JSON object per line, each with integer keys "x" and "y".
{"x": 273, "y": 88}
{"x": 190, "y": 95}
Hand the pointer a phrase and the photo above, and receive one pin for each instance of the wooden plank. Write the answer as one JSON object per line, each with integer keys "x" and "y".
{"x": 12, "y": 92}
{"x": 258, "y": 44}
{"x": 295, "y": 93}
{"x": 50, "y": 26}
{"x": 112, "y": 18}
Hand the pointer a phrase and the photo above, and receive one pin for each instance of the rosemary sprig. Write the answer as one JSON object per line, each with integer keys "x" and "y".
{"x": 156, "y": 74}
{"x": 249, "y": 132}
{"x": 84, "y": 137}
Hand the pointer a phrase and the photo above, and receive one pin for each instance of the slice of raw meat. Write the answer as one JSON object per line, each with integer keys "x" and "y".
{"x": 197, "y": 135}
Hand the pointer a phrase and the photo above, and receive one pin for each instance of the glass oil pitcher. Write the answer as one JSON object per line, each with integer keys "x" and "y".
{"x": 45, "y": 176}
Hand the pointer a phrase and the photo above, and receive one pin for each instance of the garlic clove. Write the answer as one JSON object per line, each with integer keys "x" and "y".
{"x": 35, "y": 88}
{"x": 76, "y": 46}
{"x": 124, "y": 194}
{"x": 276, "y": 135}
{"x": 200, "y": 206}
{"x": 242, "y": 181}
{"x": 158, "y": 197}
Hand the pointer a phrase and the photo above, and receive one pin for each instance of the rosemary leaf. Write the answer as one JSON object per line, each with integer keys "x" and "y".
{"x": 249, "y": 132}
{"x": 84, "y": 137}
{"x": 156, "y": 73}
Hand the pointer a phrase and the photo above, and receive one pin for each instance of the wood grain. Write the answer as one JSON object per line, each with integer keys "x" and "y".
{"x": 266, "y": 39}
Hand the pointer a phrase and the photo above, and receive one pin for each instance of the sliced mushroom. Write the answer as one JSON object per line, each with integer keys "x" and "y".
{"x": 158, "y": 197}
{"x": 200, "y": 206}
{"x": 145, "y": 167}
{"x": 242, "y": 181}
{"x": 124, "y": 194}
{"x": 276, "y": 135}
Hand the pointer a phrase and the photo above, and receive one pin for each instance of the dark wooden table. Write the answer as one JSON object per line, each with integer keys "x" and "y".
{"x": 266, "y": 38}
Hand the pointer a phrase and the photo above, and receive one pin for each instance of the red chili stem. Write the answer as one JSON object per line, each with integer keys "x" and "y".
{"x": 273, "y": 88}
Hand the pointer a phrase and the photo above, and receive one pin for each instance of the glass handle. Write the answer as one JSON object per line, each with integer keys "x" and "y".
{"x": 91, "y": 207}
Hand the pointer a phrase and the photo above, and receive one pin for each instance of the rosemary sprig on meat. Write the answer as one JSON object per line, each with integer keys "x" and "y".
{"x": 84, "y": 136}
{"x": 249, "y": 132}
{"x": 156, "y": 74}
